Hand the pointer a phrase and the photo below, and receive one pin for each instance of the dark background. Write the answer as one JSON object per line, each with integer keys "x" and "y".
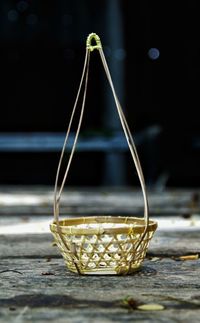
{"x": 41, "y": 58}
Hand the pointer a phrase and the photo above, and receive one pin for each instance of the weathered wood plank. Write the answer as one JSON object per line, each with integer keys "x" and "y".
{"x": 35, "y": 285}
{"x": 30, "y": 295}
{"x": 164, "y": 243}
{"x": 40, "y": 224}
{"x": 97, "y": 315}
{"x": 19, "y": 201}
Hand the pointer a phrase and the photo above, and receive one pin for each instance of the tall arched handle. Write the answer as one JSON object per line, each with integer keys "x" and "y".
{"x": 83, "y": 83}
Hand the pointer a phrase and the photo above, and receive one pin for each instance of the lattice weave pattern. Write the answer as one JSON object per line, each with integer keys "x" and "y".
{"x": 109, "y": 249}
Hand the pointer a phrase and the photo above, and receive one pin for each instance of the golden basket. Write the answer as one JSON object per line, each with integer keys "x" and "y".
{"x": 101, "y": 244}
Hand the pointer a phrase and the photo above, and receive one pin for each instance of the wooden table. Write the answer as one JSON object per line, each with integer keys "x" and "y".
{"x": 35, "y": 285}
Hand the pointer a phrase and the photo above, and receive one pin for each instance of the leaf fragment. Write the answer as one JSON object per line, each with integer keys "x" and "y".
{"x": 129, "y": 302}
{"x": 150, "y": 307}
{"x": 189, "y": 257}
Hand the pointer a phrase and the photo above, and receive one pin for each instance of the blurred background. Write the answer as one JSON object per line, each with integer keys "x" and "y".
{"x": 152, "y": 49}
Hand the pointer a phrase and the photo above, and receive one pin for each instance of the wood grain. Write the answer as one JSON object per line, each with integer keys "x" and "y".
{"x": 38, "y": 200}
{"x": 45, "y": 290}
{"x": 35, "y": 285}
{"x": 164, "y": 243}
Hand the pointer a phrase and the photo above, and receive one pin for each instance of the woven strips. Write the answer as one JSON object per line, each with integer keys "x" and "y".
{"x": 104, "y": 251}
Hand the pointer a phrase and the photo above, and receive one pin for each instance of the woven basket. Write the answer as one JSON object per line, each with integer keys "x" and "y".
{"x": 101, "y": 244}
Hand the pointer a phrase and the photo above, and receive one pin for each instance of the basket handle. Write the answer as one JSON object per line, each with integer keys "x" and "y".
{"x": 127, "y": 132}
{"x": 132, "y": 147}
{"x": 89, "y": 40}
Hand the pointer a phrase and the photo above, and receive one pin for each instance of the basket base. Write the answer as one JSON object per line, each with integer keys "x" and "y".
{"x": 107, "y": 271}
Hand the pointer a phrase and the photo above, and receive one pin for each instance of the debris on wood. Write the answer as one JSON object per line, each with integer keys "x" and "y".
{"x": 155, "y": 259}
{"x": 47, "y": 273}
{"x": 150, "y": 307}
{"x": 189, "y": 257}
{"x": 129, "y": 303}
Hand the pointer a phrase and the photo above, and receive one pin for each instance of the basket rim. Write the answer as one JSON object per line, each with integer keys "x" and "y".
{"x": 133, "y": 225}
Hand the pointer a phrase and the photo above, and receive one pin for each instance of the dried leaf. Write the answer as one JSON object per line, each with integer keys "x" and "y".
{"x": 189, "y": 257}
{"x": 150, "y": 307}
{"x": 130, "y": 302}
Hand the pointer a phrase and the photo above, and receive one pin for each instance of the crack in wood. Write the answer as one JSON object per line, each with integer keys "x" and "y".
{"x": 11, "y": 270}
{"x": 42, "y": 300}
